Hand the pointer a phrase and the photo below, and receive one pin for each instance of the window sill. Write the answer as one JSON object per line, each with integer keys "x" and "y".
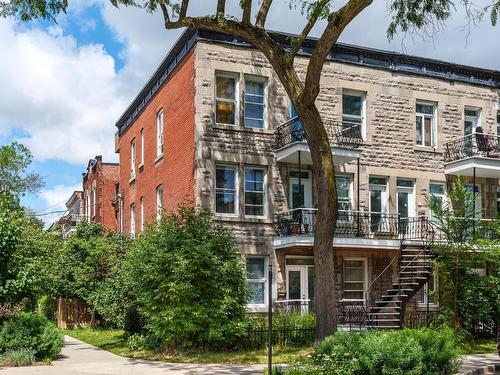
{"x": 158, "y": 158}
{"x": 254, "y": 308}
{"x": 433, "y": 150}
{"x": 423, "y": 306}
{"x": 141, "y": 167}
{"x": 239, "y": 128}
{"x": 132, "y": 180}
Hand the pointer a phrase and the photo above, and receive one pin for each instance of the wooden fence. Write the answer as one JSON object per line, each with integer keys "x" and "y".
{"x": 72, "y": 313}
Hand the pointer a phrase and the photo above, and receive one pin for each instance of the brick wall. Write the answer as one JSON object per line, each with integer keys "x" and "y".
{"x": 175, "y": 171}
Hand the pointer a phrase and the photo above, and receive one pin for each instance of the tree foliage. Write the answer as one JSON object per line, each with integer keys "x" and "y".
{"x": 467, "y": 263}
{"x": 188, "y": 281}
{"x": 14, "y": 178}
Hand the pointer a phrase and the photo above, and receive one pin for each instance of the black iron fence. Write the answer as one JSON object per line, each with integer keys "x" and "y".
{"x": 302, "y": 221}
{"x": 340, "y": 133}
{"x": 258, "y": 338}
{"x": 477, "y": 144}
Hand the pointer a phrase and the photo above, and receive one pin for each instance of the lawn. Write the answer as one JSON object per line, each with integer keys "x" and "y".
{"x": 114, "y": 341}
{"x": 480, "y": 346}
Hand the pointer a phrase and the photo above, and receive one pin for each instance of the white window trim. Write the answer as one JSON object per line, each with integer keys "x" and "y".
{"x": 291, "y": 181}
{"x": 434, "y": 132}
{"x": 159, "y": 202}
{"x": 363, "y": 95}
{"x": 479, "y": 112}
{"x": 425, "y": 289}
{"x": 160, "y": 133}
{"x": 132, "y": 219}
{"x": 264, "y": 187}
{"x": 132, "y": 158}
{"x": 142, "y": 149}
{"x": 265, "y": 279}
{"x": 443, "y": 196}
{"x": 93, "y": 206}
{"x": 379, "y": 187}
{"x": 236, "y": 78}
{"x": 142, "y": 214}
{"x": 365, "y": 282}
{"x": 259, "y": 79}
{"x": 351, "y": 188}
{"x": 236, "y": 187}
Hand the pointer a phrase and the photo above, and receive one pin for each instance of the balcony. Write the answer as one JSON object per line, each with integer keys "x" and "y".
{"x": 353, "y": 228}
{"x": 475, "y": 154}
{"x": 291, "y": 144}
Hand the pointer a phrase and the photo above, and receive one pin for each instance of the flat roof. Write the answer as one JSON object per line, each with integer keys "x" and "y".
{"x": 341, "y": 52}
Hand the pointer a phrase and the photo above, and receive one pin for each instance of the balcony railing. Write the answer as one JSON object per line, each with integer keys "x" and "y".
{"x": 302, "y": 221}
{"x": 477, "y": 144}
{"x": 341, "y": 133}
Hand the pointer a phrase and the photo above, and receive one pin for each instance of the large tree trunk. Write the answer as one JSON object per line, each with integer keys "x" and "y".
{"x": 324, "y": 179}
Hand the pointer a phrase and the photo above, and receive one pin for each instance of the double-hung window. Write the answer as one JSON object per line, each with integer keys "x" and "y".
{"x": 226, "y": 100}
{"x": 159, "y": 133}
{"x": 132, "y": 219}
{"x": 142, "y": 214}
{"x": 132, "y": 159}
{"x": 159, "y": 202}
{"x": 343, "y": 192}
{"x": 498, "y": 124}
{"x": 354, "y": 280}
{"x": 353, "y": 112}
{"x": 255, "y": 195}
{"x": 142, "y": 148}
{"x": 255, "y": 103}
{"x": 426, "y": 124}
{"x": 437, "y": 197}
{"x": 225, "y": 190}
{"x": 257, "y": 280}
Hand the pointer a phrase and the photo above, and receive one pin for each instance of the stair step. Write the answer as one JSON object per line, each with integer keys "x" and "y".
{"x": 385, "y": 320}
{"x": 402, "y": 289}
{"x": 383, "y": 313}
{"x": 385, "y": 327}
{"x": 394, "y": 295}
{"x": 388, "y": 307}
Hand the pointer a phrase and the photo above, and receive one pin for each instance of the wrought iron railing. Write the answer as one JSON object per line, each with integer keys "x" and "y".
{"x": 294, "y": 305}
{"x": 340, "y": 133}
{"x": 477, "y": 144}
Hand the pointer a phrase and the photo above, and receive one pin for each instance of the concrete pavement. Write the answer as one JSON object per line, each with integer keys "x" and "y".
{"x": 478, "y": 364}
{"x": 79, "y": 358}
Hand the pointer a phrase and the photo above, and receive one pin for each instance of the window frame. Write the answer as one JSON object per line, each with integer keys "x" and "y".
{"x": 498, "y": 123}
{"x": 160, "y": 133}
{"x": 235, "y": 101}
{"x": 264, "y": 81}
{"x": 142, "y": 148}
{"x": 478, "y": 111}
{"x": 350, "y": 192}
{"x": 363, "y": 95}
{"x": 442, "y": 195}
{"x": 236, "y": 190}
{"x": 142, "y": 214}
{"x": 159, "y": 201}
{"x": 264, "y": 192}
{"x": 425, "y": 293}
{"x": 264, "y": 280}
{"x": 423, "y": 116}
{"x": 365, "y": 281}
{"x": 132, "y": 220}
{"x": 132, "y": 159}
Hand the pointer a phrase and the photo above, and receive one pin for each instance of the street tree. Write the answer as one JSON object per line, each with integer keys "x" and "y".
{"x": 303, "y": 89}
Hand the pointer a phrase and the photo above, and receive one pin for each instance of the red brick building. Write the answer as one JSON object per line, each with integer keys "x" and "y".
{"x": 99, "y": 192}
{"x": 157, "y": 152}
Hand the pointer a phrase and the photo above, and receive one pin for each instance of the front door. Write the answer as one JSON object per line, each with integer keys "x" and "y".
{"x": 300, "y": 286}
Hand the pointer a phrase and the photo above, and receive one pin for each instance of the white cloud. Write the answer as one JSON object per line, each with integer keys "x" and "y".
{"x": 55, "y": 199}
{"x": 64, "y": 95}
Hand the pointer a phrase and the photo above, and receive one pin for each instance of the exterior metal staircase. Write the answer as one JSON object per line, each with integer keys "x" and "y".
{"x": 415, "y": 269}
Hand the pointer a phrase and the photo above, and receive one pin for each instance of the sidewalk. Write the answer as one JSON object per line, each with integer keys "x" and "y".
{"x": 480, "y": 364}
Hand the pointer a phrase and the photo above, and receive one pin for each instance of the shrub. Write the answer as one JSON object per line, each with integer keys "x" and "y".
{"x": 16, "y": 358}
{"x": 194, "y": 293}
{"x": 419, "y": 352}
{"x": 33, "y": 332}
{"x": 47, "y": 307}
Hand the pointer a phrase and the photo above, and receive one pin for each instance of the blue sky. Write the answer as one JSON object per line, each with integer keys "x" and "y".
{"x": 64, "y": 85}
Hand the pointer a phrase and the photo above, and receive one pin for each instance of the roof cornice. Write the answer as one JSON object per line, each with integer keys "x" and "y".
{"x": 343, "y": 53}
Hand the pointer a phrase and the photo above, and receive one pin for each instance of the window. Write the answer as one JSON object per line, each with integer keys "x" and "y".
{"x": 474, "y": 206}
{"x": 255, "y": 196}
{"x": 354, "y": 279}
{"x": 94, "y": 204}
{"x": 352, "y": 107}
{"x": 225, "y": 190}
{"x": 257, "y": 279}
{"x": 437, "y": 194}
{"x": 132, "y": 219}
{"x": 142, "y": 147}
{"x": 225, "y": 100}
{"x": 142, "y": 214}
{"x": 255, "y": 103}
{"x": 428, "y": 292}
{"x": 87, "y": 204}
{"x": 132, "y": 159}
{"x": 498, "y": 201}
{"x": 498, "y": 124}
{"x": 159, "y": 202}
{"x": 159, "y": 133}
{"x": 426, "y": 124}
{"x": 471, "y": 120}
{"x": 343, "y": 192}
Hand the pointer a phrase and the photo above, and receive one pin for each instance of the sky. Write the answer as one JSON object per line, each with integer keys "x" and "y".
{"x": 64, "y": 84}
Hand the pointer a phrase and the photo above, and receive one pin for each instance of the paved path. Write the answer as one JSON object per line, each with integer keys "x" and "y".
{"x": 480, "y": 364}
{"x": 79, "y": 358}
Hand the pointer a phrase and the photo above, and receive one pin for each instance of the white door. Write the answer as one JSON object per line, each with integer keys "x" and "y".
{"x": 405, "y": 202}
{"x": 300, "y": 285}
{"x": 378, "y": 207}
{"x": 300, "y": 196}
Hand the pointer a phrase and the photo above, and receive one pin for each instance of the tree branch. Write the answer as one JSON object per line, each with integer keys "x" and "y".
{"x": 262, "y": 15}
{"x": 337, "y": 21}
{"x": 164, "y": 10}
{"x": 247, "y": 11}
{"x": 183, "y": 10}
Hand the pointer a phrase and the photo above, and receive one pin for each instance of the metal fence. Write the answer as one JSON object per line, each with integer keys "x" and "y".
{"x": 258, "y": 338}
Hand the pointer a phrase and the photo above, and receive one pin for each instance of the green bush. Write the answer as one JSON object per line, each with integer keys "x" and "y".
{"x": 47, "y": 307}
{"x": 414, "y": 352}
{"x": 33, "y": 332}
{"x": 16, "y": 358}
{"x": 194, "y": 293}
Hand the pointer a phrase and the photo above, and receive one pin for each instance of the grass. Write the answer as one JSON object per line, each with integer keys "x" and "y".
{"x": 480, "y": 346}
{"x": 115, "y": 342}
